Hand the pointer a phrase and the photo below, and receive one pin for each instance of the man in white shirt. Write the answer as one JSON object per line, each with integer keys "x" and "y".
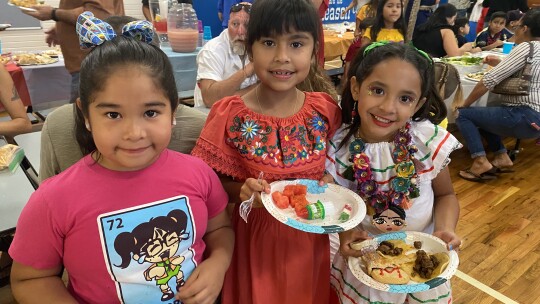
{"x": 224, "y": 68}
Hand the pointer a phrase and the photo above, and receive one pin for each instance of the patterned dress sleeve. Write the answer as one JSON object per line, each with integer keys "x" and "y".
{"x": 434, "y": 147}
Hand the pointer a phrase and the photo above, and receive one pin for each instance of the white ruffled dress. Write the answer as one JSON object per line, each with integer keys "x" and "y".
{"x": 434, "y": 147}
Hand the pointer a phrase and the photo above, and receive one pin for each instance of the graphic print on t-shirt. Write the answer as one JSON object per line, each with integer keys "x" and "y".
{"x": 148, "y": 249}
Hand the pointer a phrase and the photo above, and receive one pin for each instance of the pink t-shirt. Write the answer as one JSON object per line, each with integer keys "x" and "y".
{"x": 122, "y": 236}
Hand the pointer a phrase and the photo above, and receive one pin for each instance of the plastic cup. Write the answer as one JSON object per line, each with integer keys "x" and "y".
{"x": 158, "y": 13}
{"x": 507, "y": 47}
{"x": 207, "y": 33}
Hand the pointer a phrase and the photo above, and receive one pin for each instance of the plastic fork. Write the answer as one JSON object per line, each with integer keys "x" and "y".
{"x": 245, "y": 206}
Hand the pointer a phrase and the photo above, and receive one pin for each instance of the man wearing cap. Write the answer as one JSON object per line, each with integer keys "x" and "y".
{"x": 63, "y": 32}
{"x": 223, "y": 66}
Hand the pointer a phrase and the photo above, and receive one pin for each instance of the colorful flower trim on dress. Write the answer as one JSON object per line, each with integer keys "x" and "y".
{"x": 403, "y": 186}
{"x": 292, "y": 144}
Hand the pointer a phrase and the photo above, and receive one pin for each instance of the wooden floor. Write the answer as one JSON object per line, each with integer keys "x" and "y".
{"x": 500, "y": 223}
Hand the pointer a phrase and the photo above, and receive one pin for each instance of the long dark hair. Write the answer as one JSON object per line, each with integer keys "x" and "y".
{"x": 107, "y": 58}
{"x": 275, "y": 17}
{"x": 362, "y": 66}
{"x": 532, "y": 20}
{"x": 378, "y": 23}
{"x": 438, "y": 18}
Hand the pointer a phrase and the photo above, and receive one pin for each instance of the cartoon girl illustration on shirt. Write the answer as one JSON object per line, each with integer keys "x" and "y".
{"x": 391, "y": 219}
{"x": 156, "y": 242}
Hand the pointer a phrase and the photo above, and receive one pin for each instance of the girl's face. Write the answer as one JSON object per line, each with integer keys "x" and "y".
{"x": 281, "y": 62}
{"x": 392, "y": 11}
{"x": 465, "y": 29}
{"x": 387, "y": 99}
{"x": 451, "y": 20}
{"x": 130, "y": 120}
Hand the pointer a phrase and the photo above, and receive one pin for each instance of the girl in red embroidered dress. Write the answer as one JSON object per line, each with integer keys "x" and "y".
{"x": 280, "y": 131}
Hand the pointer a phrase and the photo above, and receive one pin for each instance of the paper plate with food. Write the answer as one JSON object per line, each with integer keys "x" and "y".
{"x": 404, "y": 262}
{"x": 476, "y": 77}
{"x": 306, "y": 206}
{"x": 24, "y": 5}
{"x": 464, "y": 60}
{"x": 32, "y": 59}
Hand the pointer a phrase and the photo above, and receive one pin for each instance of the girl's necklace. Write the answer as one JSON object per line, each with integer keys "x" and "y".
{"x": 260, "y": 106}
{"x": 403, "y": 187}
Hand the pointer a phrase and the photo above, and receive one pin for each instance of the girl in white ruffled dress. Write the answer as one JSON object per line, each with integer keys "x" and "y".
{"x": 393, "y": 155}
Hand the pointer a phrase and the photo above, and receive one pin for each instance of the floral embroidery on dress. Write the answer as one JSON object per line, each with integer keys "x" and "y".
{"x": 258, "y": 139}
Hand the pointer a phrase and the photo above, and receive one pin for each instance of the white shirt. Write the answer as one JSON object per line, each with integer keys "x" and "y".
{"x": 216, "y": 61}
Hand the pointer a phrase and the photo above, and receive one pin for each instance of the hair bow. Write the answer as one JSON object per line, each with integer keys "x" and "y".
{"x": 377, "y": 44}
{"x": 93, "y": 31}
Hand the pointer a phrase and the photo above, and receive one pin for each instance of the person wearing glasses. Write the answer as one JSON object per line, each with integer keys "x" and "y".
{"x": 223, "y": 67}
{"x": 224, "y": 6}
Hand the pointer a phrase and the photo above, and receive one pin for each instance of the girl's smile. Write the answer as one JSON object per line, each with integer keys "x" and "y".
{"x": 387, "y": 99}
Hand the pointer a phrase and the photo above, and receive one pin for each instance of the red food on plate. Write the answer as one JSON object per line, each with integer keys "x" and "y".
{"x": 296, "y": 189}
{"x": 280, "y": 200}
{"x": 298, "y": 201}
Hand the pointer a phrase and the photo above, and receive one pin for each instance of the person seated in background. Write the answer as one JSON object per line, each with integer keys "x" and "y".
{"x": 225, "y": 6}
{"x": 368, "y": 10}
{"x": 518, "y": 116}
{"x": 10, "y": 101}
{"x": 461, "y": 29}
{"x": 436, "y": 36}
{"x": 495, "y": 34}
{"x": 512, "y": 18}
{"x": 359, "y": 32}
{"x": 223, "y": 67}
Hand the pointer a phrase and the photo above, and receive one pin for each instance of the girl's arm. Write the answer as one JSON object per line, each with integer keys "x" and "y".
{"x": 19, "y": 122}
{"x": 450, "y": 44}
{"x": 446, "y": 213}
{"x": 206, "y": 281}
{"x": 31, "y": 285}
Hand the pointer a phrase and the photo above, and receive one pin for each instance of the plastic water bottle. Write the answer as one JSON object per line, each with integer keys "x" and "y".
{"x": 182, "y": 28}
{"x": 200, "y": 26}
{"x": 207, "y": 34}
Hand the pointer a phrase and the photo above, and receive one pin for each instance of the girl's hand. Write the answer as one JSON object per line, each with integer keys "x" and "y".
{"x": 250, "y": 186}
{"x": 452, "y": 240}
{"x": 204, "y": 284}
{"x": 348, "y": 237}
{"x": 326, "y": 179}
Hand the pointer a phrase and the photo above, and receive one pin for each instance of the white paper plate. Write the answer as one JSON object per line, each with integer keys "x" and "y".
{"x": 471, "y": 79}
{"x": 22, "y": 8}
{"x": 430, "y": 244}
{"x": 337, "y": 194}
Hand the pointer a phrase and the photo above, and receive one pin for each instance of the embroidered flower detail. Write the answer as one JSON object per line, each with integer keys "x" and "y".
{"x": 259, "y": 150}
{"x": 403, "y": 138}
{"x": 400, "y": 154}
{"x": 274, "y": 154}
{"x": 367, "y": 188}
{"x": 363, "y": 175}
{"x": 405, "y": 169}
{"x": 396, "y": 198}
{"x": 249, "y": 129}
{"x": 318, "y": 123}
{"x": 303, "y": 154}
{"x": 400, "y": 184}
{"x": 361, "y": 161}
{"x": 357, "y": 146}
{"x": 379, "y": 202}
{"x": 320, "y": 144}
